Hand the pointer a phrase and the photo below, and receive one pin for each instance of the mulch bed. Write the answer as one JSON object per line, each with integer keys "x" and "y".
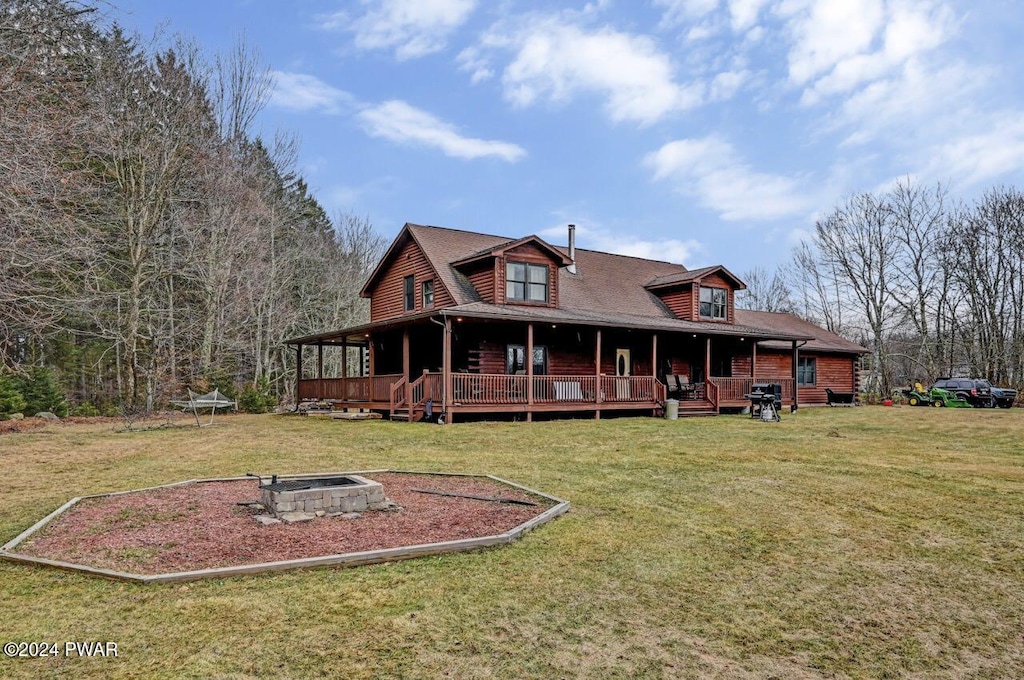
{"x": 201, "y": 526}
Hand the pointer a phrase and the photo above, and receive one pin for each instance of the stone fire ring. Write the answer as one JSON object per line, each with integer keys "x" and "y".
{"x": 342, "y": 560}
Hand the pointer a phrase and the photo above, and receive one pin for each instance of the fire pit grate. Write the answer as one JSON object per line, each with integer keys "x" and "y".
{"x": 301, "y": 484}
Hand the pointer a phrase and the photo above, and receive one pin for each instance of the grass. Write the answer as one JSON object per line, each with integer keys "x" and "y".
{"x": 872, "y": 542}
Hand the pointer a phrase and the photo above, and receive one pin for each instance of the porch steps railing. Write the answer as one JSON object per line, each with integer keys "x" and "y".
{"x": 399, "y": 398}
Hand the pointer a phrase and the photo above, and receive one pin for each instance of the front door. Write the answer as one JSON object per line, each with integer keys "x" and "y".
{"x": 622, "y": 362}
{"x": 622, "y": 370}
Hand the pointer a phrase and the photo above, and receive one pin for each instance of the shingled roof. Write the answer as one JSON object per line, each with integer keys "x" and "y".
{"x": 606, "y": 290}
{"x": 823, "y": 340}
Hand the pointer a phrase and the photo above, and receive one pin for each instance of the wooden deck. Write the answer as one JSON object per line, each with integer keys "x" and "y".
{"x": 502, "y": 393}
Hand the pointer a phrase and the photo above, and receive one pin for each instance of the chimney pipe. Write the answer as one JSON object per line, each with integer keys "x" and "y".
{"x": 572, "y": 248}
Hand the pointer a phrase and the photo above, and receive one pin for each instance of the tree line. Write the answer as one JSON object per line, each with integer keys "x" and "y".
{"x": 149, "y": 241}
{"x": 931, "y": 285}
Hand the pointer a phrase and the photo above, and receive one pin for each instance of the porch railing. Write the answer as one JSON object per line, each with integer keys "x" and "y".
{"x": 486, "y": 388}
{"x": 495, "y": 388}
{"x": 734, "y": 390}
{"x": 427, "y": 386}
{"x": 340, "y": 389}
{"x": 628, "y": 389}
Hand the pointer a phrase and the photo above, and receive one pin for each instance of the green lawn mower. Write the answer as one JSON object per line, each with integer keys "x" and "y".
{"x": 936, "y": 396}
{"x": 940, "y": 398}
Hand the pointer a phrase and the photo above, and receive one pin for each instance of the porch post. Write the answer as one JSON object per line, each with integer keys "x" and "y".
{"x": 320, "y": 368}
{"x": 707, "y": 364}
{"x": 405, "y": 359}
{"x": 796, "y": 360}
{"x": 446, "y": 368}
{"x": 371, "y": 362}
{"x": 753, "y": 359}
{"x": 654, "y": 356}
{"x": 298, "y": 373}
{"x": 529, "y": 372}
{"x": 597, "y": 373}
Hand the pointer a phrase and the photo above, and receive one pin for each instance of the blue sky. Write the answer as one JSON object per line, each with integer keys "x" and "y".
{"x": 697, "y": 131}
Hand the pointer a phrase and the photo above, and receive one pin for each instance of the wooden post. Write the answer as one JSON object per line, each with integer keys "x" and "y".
{"x": 707, "y": 365}
{"x": 298, "y": 373}
{"x": 372, "y": 364}
{"x": 320, "y": 369}
{"x": 753, "y": 360}
{"x": 597, "y": 373}
{"x": 446, "y": 369}
{"x": 796, "y": 360}
{"x": 405, "y": 359}
{"x": 529, "y": 372}
{"x": 654, "y": 356}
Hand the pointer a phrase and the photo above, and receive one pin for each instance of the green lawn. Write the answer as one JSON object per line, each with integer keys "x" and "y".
{"x": 870, "y": 542}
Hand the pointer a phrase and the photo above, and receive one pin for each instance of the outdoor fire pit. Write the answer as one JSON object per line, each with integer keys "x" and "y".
{"x": 330, "y": 495}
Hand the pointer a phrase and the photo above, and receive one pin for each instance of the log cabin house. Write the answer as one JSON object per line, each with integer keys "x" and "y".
{"x": 469, "y": 323}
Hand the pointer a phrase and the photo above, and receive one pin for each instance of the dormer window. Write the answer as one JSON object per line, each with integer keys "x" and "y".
{"x": 714, "y": 303}
{"x": 526, "y": 282}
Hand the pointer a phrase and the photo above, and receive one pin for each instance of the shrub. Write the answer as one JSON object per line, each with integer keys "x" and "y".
{"x": 11, "y": 400}
{"x": 41, "y": 392}
{"x": 85, "y": 409}
{"x": 258, "y": 398}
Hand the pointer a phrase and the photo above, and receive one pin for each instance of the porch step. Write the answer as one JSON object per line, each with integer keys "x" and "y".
{"x": 695, "y": 408}
{"x": 696, "y": 413}
{"x": 404, "y": 414}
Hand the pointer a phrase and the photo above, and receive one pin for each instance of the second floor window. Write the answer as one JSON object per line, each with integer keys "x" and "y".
{"x": 526, "y": 282}
{"x": 428, "y": 293}
{"x": 410, "y": 293}
{"x": 713, "y": 302}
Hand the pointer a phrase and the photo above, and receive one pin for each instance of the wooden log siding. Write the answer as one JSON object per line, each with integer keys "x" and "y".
{"x": 834, "y": 371}
{"x": 387, "y": 298}
{"x": 680, "y": 301}
{"x": 484, "y": 277}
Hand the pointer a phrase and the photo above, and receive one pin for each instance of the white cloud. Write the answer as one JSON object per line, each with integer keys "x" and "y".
{"x": 837, "y": 46}
{"x": 557, "y": 59}
{"x": 400, "y": 122}
{"x": 414, "y": 28}
{"x": 710, "y": 169}
{"x": 594, "y": 236}
{"x": 471, "y": 60}
{"x": 972, "y": 159}
{"x": 726, "y": 84}
{"x": 680, "y": 11}
{"x": 303, "y": 92}
{"x": 744, "y": 13}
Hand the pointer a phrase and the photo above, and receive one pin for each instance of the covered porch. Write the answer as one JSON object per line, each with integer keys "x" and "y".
{"x": 443, "y": 365}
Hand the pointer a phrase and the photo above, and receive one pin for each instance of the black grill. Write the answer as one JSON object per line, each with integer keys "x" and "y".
{"x": 301, "y": 484}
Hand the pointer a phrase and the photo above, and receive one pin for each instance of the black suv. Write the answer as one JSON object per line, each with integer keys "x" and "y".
{"x": 975, "y": 392}
{"x": 1004, "y": 396}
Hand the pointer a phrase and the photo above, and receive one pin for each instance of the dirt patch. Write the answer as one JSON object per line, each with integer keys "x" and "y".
{"x": 201, "y": 526}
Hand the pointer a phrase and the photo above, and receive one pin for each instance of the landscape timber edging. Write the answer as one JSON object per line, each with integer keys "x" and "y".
{"x": 337, "y": 560}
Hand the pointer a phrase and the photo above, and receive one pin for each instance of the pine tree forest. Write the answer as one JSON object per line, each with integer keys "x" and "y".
{"x": 149, "y": 241}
